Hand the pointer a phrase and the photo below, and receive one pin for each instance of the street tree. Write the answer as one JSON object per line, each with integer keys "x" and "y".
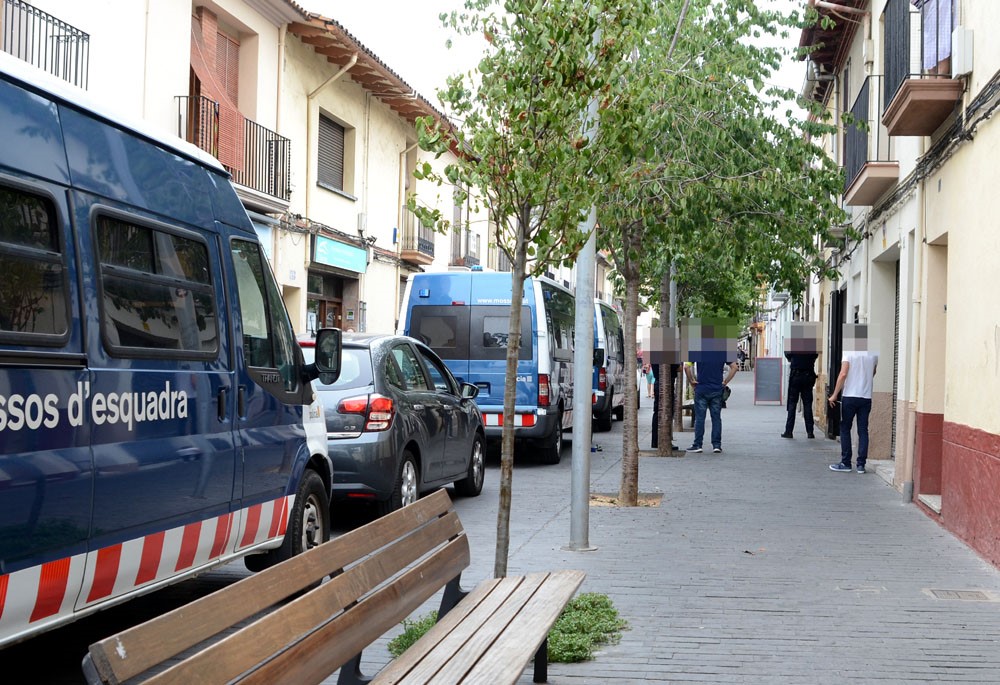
{"x": 704, "y": 175}
{"x": 518, "y": 132}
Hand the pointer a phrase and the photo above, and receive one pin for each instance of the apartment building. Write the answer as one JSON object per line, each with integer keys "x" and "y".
{"x": 919, "y": 81}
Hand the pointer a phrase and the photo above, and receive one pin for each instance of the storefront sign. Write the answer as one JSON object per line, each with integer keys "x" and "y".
{"x": 340, "y": 255}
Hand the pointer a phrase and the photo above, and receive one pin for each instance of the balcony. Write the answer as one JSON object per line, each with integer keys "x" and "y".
{"x": 869, "y": 171}
{"x": 918, "y": 103}
{"x": 417, "y": 244}
{"x": 48, "y": 43}
{"x": 262, "y": 162}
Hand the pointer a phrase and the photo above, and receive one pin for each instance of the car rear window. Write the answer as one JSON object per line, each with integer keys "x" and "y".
{"x": 355, "y": 368}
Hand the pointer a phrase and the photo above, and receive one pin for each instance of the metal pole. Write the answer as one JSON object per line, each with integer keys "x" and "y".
{"x": 583, "y": 366}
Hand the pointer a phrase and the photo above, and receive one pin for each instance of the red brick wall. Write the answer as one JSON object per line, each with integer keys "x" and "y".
{"x": 927, "y": 454}
{"x": 970, "y": 488}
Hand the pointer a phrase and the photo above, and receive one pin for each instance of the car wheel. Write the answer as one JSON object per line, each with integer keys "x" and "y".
{"x": 308, "y": 524}
{"x": 472, "y": 484}
{"x": 551, "y": 452}
{"x": 603, "y": 423}
{"x": 407, "y": 487}
{"x": 620, "y": 410}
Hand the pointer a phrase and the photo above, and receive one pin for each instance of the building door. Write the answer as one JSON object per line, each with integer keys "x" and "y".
{"x": 838, "y": 302}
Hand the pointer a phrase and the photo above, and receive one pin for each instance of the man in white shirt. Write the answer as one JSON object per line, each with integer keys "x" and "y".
{"x": 857, "y": 372}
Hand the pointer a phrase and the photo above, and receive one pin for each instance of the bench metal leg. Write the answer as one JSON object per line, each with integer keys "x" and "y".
{"x": 542, "y": 663}
{"x": 350, "y": 673}
{"x": 453, "y": 594}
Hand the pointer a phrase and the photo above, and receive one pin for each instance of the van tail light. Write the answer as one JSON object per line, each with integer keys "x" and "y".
{"x": 602, "y": 379}
{"x": 544, "y": 390}
{"x": 377, "y": 410}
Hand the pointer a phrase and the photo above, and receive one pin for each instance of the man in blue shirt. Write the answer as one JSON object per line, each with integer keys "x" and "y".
{"x": 706, "y": 378}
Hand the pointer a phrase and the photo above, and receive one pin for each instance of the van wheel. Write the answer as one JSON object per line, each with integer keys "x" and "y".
{"x": 407, "y": 488}
{"x": 308, "y": 524}
{"x": 472, "y": 484}
{"x": 551, "y": 452}
{"x": 620, "y": 412}
{"x": 604, "y": 418}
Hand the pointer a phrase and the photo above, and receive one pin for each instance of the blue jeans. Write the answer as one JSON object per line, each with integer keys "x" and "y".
{"x": 711, "y": 401}
{"x": 851, "y": 407}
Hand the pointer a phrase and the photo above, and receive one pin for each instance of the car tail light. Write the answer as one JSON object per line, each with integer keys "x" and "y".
{"x": 602, "y": 379}
{"x": 377, "y": 410}
{"x": 544, "y": 391}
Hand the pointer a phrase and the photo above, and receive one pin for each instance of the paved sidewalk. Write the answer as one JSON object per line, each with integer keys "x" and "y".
{"x": 759, "y": 566}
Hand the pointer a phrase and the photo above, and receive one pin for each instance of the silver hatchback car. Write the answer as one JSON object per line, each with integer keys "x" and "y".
{"x": 398, "y": 423}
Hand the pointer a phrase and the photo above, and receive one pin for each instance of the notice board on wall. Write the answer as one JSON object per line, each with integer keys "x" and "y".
{"x": 767, "y": 380}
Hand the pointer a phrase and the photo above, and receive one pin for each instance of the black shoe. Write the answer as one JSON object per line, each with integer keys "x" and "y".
{"x": 810, "y": 436}
{"x": 787, "y": 435}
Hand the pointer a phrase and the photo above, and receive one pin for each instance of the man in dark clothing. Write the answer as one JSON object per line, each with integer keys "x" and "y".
{"x": 801, "y": 379}
{"x": 707, "y": 379}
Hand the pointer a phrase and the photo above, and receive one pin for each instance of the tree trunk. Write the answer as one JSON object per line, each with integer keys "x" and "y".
{"x": 628, "y": 494}
{"x": 664, "y": 425}
{"x": 519, "y": 270}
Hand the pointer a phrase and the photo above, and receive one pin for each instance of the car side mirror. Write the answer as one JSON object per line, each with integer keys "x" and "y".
{"x": 599, "y": 357}
{"x": 469, "y": 391}
{"x": 328, "y": 356}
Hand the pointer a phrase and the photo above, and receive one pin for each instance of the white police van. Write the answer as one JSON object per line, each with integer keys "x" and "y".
{"x": 153, "y": 399}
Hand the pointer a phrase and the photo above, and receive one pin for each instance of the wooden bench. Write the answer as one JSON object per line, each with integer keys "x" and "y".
{"x": 301, "y": 620}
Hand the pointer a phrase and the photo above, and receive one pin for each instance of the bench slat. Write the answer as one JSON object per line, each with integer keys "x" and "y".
{"x": 243, "y": 650}
{"x": 136, "y": 650}
{"x": 456, "y": 655}
{"x": 530, "y": 626}
{"x": 484, "y": 599}
{"x": 320, "y": 653}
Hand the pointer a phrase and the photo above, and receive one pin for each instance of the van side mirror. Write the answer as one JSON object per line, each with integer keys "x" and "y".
{"x": 599, "y": 357}
{"x": 469, "y": 391}
{"x": 327, "y": 364}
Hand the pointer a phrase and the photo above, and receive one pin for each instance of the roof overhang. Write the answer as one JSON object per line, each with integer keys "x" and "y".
{"x": 828, "y": 47}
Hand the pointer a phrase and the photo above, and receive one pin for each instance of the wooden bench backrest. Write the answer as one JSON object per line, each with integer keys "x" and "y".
{"x": 371, "y": 589}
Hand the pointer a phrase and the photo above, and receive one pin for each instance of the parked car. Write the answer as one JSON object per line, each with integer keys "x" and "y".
{"x": 398, "y": 423}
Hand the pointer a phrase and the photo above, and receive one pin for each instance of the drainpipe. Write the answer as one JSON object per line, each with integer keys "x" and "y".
{"x": 401, "y": 217}
{"x": 282, "y": 33}
{"x": 310, "y": 155}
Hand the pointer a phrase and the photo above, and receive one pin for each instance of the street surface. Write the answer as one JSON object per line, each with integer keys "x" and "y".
{"x": 759, "y": 566}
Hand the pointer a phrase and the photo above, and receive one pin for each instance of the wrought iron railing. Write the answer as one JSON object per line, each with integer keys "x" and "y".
{"x": 930, "y": 20}
{"x": 198, "y": 122}
{"x": 266, "y": 160}
{"x": 864, "y": 138}
{"x": 51, "y": 44}
{"x": 416, "y": 236}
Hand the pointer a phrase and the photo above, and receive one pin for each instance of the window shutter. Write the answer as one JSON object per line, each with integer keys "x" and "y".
{"x": 330, "y": 153}
{"x": 227, "y": 66}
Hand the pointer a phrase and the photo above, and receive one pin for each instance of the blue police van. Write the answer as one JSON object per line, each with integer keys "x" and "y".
{"x": 464, "y": 316}
{"x": 609, "y": 386}
{"x": 155, "y": 414}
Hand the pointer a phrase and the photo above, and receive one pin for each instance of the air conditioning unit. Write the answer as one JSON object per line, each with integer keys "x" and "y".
{"x": 961, "y": 51}
{"x": 779, "y": 297}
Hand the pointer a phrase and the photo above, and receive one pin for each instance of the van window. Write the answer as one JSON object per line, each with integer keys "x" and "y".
{"x": 33, "y": 297}
{"x": 560, "y": 314}
{"x": 267, "y": 333}
{"x": 491, "y": 331}
{"x": 157, "y": 291}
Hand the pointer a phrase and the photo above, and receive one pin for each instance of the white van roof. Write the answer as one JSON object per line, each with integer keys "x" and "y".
{"x": 62, "y": 90}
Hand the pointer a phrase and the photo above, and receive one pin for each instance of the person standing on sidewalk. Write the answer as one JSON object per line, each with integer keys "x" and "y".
{"x": 801, "y": 378}
{"x": 705, "y": 377}
{"x": 854, "y": 384}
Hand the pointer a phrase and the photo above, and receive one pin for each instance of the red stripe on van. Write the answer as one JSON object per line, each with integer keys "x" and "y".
{"x": 51, "y": 589}
{"x": 277, "y": 511}
{"x": 4, "y": 581}
{"x": 189, "y": 546}
{"x": 284, "y": 516}
{"x": 152, "y": 550}
{"x": 105, "y": 572}
{"x": 253, "y": 522}
{"x": 223, "y": 527}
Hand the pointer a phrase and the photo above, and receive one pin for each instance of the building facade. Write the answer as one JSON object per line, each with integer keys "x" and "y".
{"x": 918, "y": 81}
